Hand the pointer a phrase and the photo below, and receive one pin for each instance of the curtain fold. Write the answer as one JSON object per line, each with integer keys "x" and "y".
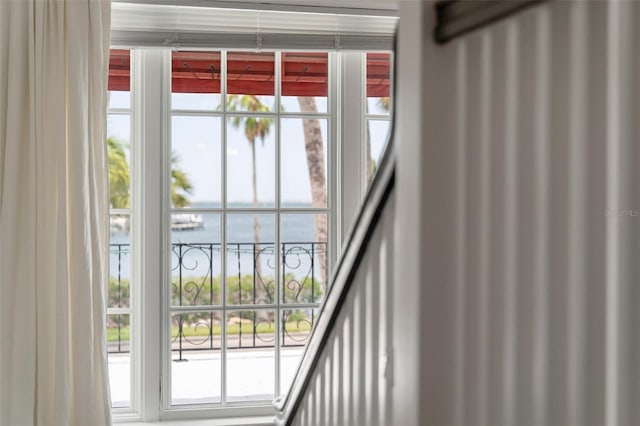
{"x": 53, "y": 212}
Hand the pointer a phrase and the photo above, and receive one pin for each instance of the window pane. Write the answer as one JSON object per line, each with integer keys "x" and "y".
{"x": 195, "y": 101}
{"x": 378, "y": 83}
{"x": 304, "y": 81}
{"x": 119, "y": 279}
{"x": 295, "y": 329}
{"x": 195, "y": 259}
{"x": 251, "y": 161}
{"x": 379, "y": 105}
{"x": 195, "y": 80}
{"x": 119, "y": 360}
{"x": 119, "y": 127}
{"x": 118, "y": 153}
{"x": 241, "y": 228}
{"x": 250, "y": 81}
{"x": 195, "y": 352}
{"x": 119, "y": 261}
{"x": 251, "y": 355}
{"x": 304, "y": 257}
{"x": 303, "y": 164}
{"x": 196, "y": 162}
{"x": 378, "y": 132}
{"x": 250, "y": 259}
{"x": 119, "y": 100}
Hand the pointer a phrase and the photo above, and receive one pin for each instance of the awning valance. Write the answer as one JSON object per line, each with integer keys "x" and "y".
{"x": 303, "y": 73}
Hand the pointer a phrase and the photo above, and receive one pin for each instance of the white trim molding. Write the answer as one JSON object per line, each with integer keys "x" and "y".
{"x": 153, "y": 25}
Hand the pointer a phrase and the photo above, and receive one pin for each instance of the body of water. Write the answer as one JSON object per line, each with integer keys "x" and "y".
{"x": 294, "y": 228}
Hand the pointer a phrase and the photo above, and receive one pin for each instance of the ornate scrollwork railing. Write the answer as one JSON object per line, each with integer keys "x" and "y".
{"x": 247, "y": 307}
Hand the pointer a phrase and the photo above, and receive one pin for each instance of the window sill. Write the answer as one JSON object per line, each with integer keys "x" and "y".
{"x": 236, "y": 421}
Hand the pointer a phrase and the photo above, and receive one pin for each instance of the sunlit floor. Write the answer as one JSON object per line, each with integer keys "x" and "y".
{"x": 197, "y": 380}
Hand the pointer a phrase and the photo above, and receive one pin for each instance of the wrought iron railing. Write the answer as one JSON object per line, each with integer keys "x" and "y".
{"x": 248, "y": 302}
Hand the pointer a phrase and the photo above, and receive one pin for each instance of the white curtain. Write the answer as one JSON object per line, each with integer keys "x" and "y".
{"x": 53, "y": 212}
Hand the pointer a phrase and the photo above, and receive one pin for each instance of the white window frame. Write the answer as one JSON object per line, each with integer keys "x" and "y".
{"x": 214, "y": 410}
{"x": 261, "y": 26}
{"x": 352, "y": 174}
{"x": 131, "y": 311}
{"x": 353, "y": 121}
{"x": 150, "y": 216}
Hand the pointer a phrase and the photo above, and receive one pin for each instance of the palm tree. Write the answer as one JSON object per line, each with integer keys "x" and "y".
{"x": 313, "y": 145}
{"x": 254, "y": 128}
{"x": 119, "y": 176}
{"x": 181, "y": 186}
{"x": 385, "y": 103}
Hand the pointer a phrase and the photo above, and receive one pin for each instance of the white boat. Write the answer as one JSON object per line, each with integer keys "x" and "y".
{"x": 179, "y": 222}
{"x": 118, "y": 223}
{"x": 186, "y": 222}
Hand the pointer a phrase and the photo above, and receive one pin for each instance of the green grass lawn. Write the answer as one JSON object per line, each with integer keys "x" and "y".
{"x": 247, "y": 328}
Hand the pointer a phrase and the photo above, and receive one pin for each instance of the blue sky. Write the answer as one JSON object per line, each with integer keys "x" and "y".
{"x": 197, "y": 142}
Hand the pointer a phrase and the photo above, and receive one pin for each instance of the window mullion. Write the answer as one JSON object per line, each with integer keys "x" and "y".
{"x": 148, "y": 76}
{"x": 334, "y": 174}
{"x": 352, "y": 154}
{"x": 164, "y": 202}
{"x": 277, "y": 256}
{"x": 223, "y": 330}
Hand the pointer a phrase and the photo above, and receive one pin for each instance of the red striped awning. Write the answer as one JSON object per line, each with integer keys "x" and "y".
{"x": 303, "y": 73}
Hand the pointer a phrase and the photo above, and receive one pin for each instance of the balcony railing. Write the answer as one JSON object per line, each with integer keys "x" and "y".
{"x": 248, "y": 303}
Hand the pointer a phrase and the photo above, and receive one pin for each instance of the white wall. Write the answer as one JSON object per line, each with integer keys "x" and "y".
{"x": 516, "y": 297}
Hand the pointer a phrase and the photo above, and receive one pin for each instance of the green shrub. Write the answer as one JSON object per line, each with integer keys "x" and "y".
{"x": 195, "y": 291}
{"x": 119, "y": 293}
{"x": 203, "y": 290}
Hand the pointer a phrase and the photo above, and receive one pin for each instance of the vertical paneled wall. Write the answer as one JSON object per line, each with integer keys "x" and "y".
{"x": 350, "y": 386}
{"x": 509, "y": 293}
{"x": 529, "y": 220}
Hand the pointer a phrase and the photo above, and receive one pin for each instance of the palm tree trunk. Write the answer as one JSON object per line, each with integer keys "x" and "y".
{"x": 256, "y": 221}
{"x": 368, "y": 159}
{"x": 313, "y": 144}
